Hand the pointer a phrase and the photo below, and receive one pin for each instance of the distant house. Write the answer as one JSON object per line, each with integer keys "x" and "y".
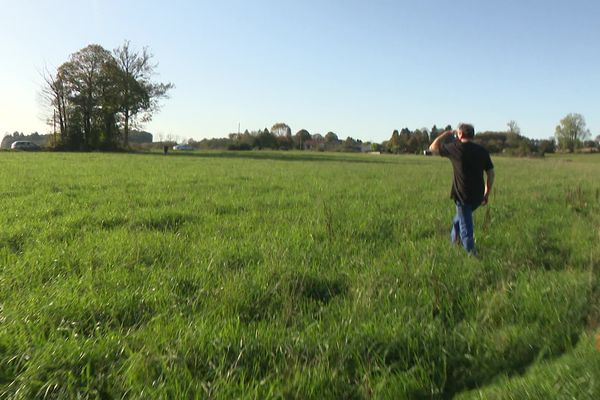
{"x": 316, "y": 142}
{"x": 366, "y": 147}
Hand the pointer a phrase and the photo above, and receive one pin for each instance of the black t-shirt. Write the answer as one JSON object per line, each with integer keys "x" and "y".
{"x": 469, "y": 160}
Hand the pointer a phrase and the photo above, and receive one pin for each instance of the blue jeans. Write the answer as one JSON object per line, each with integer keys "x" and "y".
{"x": 462, "y": 226}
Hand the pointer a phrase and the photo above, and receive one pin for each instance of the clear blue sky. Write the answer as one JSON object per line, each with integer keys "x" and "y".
{"x": 358, "y": 68}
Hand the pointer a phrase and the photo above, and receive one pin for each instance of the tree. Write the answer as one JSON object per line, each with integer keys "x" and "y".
{"x": 494, "y": 142}
{"x": 434, "y": 133}
{"x": 301, "y": 137}
{"x": 140, "y": 137}
{"x": 317, "y": 138}
{"x": 266, "y": 139}
{"x": 95, "y": 91}
{"x": 85, "y": 80}
{"x": 55, "y": 96}
{"x": 285, "y": 142}
{"x": 137, "y": 95}
{"x": 405, "y": 135}
{"x": 394, "y": 142}
{"x": 351, "y": 145}
{"x": 571, "y": 132}
{"x": 513, "y": 128}
{"x": 546, "y": 146}
{"x": 281, "y": 129}
{"x": 417, "y": 141}
{"x": 331, "y": 138}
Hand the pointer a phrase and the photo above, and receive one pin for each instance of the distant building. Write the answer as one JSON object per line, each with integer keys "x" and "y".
{"x": 366, "y": 147}
{"x": 317, "y": 142}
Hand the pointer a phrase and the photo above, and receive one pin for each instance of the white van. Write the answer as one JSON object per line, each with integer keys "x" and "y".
{"x": 182, "y": 147}
{"x": 24, "y": 145}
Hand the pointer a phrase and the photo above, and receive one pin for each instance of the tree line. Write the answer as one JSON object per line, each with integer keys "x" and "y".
{"x": 97, "y": 96}
{"x": 35, "y": 137}
{"x": 280, "y": 137}
{"x": 571, "y": 135}
{"x": 136, "y": 137}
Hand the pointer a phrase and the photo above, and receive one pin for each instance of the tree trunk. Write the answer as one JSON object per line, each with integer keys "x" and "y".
{"x": 126, "y": 129}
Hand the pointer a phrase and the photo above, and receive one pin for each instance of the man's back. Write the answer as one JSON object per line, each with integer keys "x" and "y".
{"x": 469, "y": 160}
{"x": 469, "y": 190}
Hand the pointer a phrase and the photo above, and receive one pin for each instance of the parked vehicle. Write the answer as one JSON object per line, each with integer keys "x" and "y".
{"x": 24, "y": 145}
{"x": 182, "y": 147}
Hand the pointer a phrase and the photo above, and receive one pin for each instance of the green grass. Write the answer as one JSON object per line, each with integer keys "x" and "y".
{"x": 572, "y": 376}
{"x": 293, "y": 275}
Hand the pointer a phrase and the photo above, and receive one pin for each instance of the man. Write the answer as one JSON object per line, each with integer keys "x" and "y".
{"x": 469, "y": 191}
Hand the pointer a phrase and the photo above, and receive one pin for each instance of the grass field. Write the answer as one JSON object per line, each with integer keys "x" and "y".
{"x": 294, "y": 275}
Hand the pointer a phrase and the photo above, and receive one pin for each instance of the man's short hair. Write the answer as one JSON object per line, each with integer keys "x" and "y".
{"x": 467, "y": 129}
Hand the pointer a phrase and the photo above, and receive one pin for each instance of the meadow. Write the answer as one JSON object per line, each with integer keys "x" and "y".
{"x": 299, "y": 275}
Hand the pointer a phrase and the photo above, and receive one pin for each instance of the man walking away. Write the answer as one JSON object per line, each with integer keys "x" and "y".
{"x": 469, "y": 191}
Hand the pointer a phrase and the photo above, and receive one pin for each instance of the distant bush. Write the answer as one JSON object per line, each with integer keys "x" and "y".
{"x": 514, "y": 144}
{"x": 239, "y": 146}
{"x": 140, "y": 137}
{"x": 151, "y": 146}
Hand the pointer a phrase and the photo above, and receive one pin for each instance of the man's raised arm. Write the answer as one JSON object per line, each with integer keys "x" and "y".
{"x": 435, "y": 145}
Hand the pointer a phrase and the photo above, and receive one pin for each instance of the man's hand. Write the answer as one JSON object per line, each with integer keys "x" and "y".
{"x": 491, "y": 176}
{"x": 485, "y": 199}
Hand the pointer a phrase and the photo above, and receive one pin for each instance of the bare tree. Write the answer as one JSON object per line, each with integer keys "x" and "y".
{"x": 513, "y": 128}
{"x": 138, "y": 96}
{"x": 54, "y": 94}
